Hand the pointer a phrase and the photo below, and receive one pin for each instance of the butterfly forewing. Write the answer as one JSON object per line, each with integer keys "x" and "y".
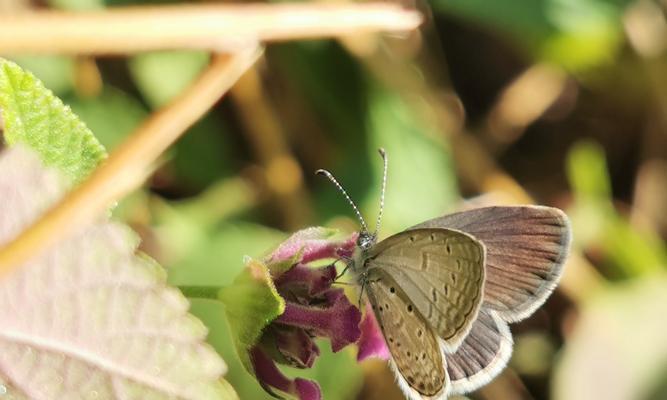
{"x": 412, "y": 343}
{"x": 442, "y": 273}
{"x": 526, "y": 247}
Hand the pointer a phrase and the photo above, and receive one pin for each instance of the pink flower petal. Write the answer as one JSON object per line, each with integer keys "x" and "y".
{"x": 315, "y": 243}
{"x": 270, "y": 377}
{"x": 315, "y": 280}
{"x": 371, "y": 343}
{"x": 339, "y": 322}
{"x": 296, "y": 346}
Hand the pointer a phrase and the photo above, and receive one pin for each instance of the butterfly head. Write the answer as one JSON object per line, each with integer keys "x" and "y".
{"x": 366, "y": 239}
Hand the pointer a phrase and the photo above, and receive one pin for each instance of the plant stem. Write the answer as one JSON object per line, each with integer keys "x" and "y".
{"x": 127, "y": 167}
{"x": 200, "y": 292}
{"x": 219, "y": 27}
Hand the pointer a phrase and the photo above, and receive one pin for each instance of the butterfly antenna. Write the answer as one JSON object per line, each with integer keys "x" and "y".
{"x": 383, "y": 154}
{"x": 349, "y": 200}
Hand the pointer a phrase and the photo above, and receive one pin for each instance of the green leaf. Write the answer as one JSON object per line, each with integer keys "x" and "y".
{"x": 587, "y": 170}
{"x": 161, "y": 76}
{"x": 112, "y": 115}
{"x": 211, "y": 257}
{"x": 77, "y": 5}
{"x": 212, "y": 313}
{"x": 597, "y": 222}
{"x": 55, "y": 72}
{"x": 577, "y": 34}
{"x": 251, "y": 303}
{"x": 333, "y": 368}
{"x": 421, "y": 184}
{"x": 33, "y": 116}
{"x": 208, "y": 142}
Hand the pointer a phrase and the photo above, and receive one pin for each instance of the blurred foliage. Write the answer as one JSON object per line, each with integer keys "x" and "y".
{"x": 631, "y": 252}
{"x": 111, "y": 114}
{"x": 578, "y": 34}
{"x": 597, "y": 150}
{"x": 620, "y": 337}
{"x": 164, "y": 75}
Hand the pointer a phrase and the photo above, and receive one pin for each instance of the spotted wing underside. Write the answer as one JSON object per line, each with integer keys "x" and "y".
{"x": 442, "y": 273}
{"x": 414, "y": 347}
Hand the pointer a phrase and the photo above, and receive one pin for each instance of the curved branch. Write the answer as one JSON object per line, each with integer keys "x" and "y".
{"x": 129, "y": 164}
{"x": 220, "y": 28}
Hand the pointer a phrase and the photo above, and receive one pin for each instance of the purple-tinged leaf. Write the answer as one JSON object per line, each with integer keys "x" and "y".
{"x": 89, "y": 317}
{"x": 251, "y": 303}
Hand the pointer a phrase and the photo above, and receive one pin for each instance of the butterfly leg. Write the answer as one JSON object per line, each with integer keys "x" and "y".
{"x": 363, "y": 287}
{"x": 348, "y": 263}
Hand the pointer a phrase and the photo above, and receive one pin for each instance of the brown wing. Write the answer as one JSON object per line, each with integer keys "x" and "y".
{"x": 441, "y": 271}
{"x": 526, "y": 248}
{"x": 482, "y": 355}
{"x": 413, "y": 345}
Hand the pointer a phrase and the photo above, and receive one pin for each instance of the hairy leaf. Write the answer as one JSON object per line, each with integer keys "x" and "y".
{"x": 34, "y": 116}
{"x": 251, "y": 303}
{"x": 89, "y": 317}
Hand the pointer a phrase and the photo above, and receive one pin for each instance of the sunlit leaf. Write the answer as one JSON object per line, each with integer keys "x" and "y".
{"x": 34, "y": 116}
{"x": 55, "y": 72}
{"x": 89, "y": 317}
{"x": 200, "y": 254}
{"x": 77, "y": 5}
{"x": 596, "y": 221}
{"x": 577, "y": 34}
{"x": 420, "y": 183}
{"x": 161, "y": 76}
{"x": 212, "y": 313}
{"x": 332, "y": 369}
{"x": 112, "y": 115}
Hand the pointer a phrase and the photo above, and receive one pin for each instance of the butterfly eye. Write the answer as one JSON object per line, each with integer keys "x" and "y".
{"x": 365, "y": 240}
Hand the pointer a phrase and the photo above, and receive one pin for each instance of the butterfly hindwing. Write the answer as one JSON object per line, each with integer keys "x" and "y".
{"x": 526, "y": 247}
{"x": 482, "y": 355}
{"x": 414, "y": 347}
{"x": 442, "y": 273}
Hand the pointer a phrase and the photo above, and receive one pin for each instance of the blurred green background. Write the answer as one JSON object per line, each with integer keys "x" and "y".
{"x": 559, "y": 102}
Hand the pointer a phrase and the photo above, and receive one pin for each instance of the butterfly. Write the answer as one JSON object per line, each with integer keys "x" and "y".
{"x": 444, "y": 291}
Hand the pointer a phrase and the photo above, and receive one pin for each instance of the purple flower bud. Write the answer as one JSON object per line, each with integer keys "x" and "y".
{"x": 314, "y": 244}
{"x": 270, "y": 377}
{"x": 313, "y": 308}
{"x": 314, "y": 280}
{"x": 339, "y": 322}
{"x": 296, "y": 346}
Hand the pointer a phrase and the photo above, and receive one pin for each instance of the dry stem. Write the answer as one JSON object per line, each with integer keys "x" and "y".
{"x": 128, "y": 165}
{"x": 220, "y": 28}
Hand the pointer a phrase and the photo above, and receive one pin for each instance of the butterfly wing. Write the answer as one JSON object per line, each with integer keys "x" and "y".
{"x": 416, "y": 357}
{"x": 442, "y": 273}
{"x": 526, "y": 247}
{"x": 482, "y": 355}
